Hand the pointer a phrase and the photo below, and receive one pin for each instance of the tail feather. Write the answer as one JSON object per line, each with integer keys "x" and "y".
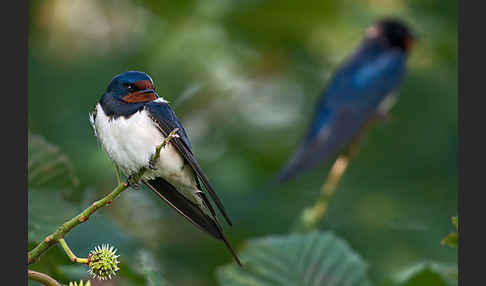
{"x": 189, "y": 210}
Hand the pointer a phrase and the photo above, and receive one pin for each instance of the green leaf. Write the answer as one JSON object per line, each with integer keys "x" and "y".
{"x": 427, "y": 273}
{"x": 48, "y": 166}
{"x": 316, "y": 258}
{"x": 47, "y": 211}
{"x": 455, "y": 222}
{"x": 452, "y": 239}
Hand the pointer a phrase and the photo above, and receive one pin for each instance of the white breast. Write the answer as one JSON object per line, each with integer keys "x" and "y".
{"x": 131, "y": 142}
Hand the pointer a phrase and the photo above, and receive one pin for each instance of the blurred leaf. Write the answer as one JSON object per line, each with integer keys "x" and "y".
{"x": 47, "y": 211}
{"x": 455, "y": 222}
{"x": 47, "y": 165}
{"x": 426, "y": 273}
{"x": 154, "y": 279}
{"x": 317, "y": 258}
{"x": 452, "y": 239}
{"x": 75, "y": 271}
{"x": 148, "y": 266}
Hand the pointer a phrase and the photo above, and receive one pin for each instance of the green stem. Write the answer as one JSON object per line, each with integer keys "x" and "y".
{"x": 311, "y": 216}
{"x": 118, "y": 176}
{"x": 42, "y": 278}
{"x": 71, "y": 255}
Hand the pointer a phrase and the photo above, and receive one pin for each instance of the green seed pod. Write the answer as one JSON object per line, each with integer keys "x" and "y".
{"x": 103, "y": 262}
{"x": 81, "y": 283}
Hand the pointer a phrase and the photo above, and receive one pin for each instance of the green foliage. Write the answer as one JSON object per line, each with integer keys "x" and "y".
{"x": 50, "y": 172}
{"x": 455, "y": 222}
{"x": 425, "y": 273}
{"x": 316, "y": 258}
{"x": 47, "y": 210}
{"x": 452, "y": 239}
{"x": 154, "y": 279}
{"x": 47, "y": 165}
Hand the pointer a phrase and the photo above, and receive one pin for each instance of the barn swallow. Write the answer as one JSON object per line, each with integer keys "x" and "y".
{"x": 130, "y": 121}
{"x": 360, "y": 90}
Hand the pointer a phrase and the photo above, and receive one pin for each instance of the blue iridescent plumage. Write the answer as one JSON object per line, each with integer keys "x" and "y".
{"x": 354, "y": 94}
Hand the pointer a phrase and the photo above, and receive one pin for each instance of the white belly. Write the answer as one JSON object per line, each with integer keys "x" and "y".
{"x": 131, "y": 143}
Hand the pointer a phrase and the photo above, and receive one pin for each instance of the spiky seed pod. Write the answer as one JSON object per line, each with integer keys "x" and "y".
{"x": 81, "y": 283}
{"x": 103, "y": 262}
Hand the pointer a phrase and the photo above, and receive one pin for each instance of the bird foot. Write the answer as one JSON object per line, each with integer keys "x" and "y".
{"x": 151, "y": 165}
{"x": 172, "y": 134}
{"x": 131, "y": 184}
{"x": 155, "y": 157}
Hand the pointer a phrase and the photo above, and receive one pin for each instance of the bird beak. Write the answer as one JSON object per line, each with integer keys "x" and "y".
{"x": 414, "y": 36}
{"x": 410, "y": 40}
{"x": 145, "y": 95}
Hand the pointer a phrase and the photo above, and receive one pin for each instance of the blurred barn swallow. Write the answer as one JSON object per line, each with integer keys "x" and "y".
{"x": 360, "y": 90}
{"x": 131, "y": 120}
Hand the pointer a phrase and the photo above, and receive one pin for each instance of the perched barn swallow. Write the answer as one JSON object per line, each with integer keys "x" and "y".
{"x": 131, "y": 120}
{"x": 360, "y": 90}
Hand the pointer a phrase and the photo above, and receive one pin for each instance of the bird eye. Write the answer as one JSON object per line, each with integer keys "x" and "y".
{"x": 129, "y": 87}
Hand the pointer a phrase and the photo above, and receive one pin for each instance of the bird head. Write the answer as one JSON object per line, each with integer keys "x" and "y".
{"x": 132, "y": 87}
{"x": 393, "y": 33}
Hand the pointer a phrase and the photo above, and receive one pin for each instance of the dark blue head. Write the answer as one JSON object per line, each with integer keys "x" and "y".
{"x": 132, "y": 87}
{"x": 393, "y": 33}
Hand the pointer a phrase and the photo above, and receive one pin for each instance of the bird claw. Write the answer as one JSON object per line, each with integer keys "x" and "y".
{"x": 155, "y": 157}
{"x": 129, "y": 183}
{"x": 172, "y": 134}
{"x": 151, "y": 165}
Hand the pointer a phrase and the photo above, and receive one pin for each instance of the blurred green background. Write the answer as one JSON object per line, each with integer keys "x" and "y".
{"x": 243, "y": 77}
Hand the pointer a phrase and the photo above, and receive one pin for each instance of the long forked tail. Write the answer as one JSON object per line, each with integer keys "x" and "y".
{"x": 189, "y": 210}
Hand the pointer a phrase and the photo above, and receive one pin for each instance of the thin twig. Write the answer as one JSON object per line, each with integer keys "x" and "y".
{"x": 42, "y": 278}
{"x": 71, "y": 255}
{"x": 311, "y": 216}
{"x": 118, "y": 176}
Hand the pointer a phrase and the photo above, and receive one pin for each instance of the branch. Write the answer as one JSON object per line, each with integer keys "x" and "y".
{"x": 42, "y": 278}
{"x": 59, "y": 234}
{"x": 311, "y": 216}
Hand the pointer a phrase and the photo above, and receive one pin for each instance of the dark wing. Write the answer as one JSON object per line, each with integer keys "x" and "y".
{"x": 166, "y": 120}
{"x": 189, "y": 210}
